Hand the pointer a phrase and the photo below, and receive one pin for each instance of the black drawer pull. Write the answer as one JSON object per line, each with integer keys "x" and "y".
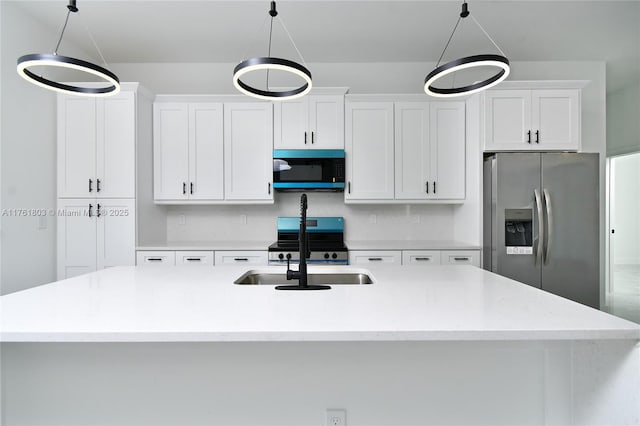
{"x": 193, "y": 259}
{"x": 90, "y": 207}
{"x": 461, "y": 258}
{"x": 537, "y": 136}
{"x": 154, "y": 259}
{"x": 529, "y": 137}
{"x": 90, "y": 185}
{"x": 312, "y": 137}
{"x": 375, "y": 259}
{"x": 97, "y": 185}
{"x": 423, "y": 258}
{"x": 427, "y": 187}
{"x": 305, "y": 138}
{"x": 240, "y": 259}
{"x": 98, "y": 211}
{"x": 184, "y": 188}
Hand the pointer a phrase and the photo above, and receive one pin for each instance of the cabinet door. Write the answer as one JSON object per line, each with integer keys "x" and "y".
{"x": 326, "y": 121}
{"x": 447, "y": 150}
{"x": 507, "y": 120}
{"x": 420, "y": 257}
{"x": 555, "y": 119}
{"x": 291, "y": 124}
{"x": 156, "y": 257}
{"x": 76, "y": 147}
{"x": 76, "y": 237}
{"x": 412, "y": 151}
{"x": 375, "y": 257}
{"x": 116, "y": 146}
{"x": 460, "y": 257}
{"x": 369, "y": 150}
{"x": 116, "y": 233}
{"x": 206, "y": 152}
{"x": 170, "y": 151}
{"x": 248, "y": 155}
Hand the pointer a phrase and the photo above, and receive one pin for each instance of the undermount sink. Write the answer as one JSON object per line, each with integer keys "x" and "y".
{"x": 331, "y": 278}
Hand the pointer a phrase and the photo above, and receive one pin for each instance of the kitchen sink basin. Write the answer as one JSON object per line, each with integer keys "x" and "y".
{"x": 331, "y": 278}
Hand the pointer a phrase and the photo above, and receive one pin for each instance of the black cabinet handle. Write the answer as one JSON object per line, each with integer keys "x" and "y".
{"x": 427, "y": 187}
{"x": 312, "y": 137}
{"x": 537, "y": 136}
{"x": 90, "y": 185}
{"x": 460, "y": 258}
{"x": 90, "y": 207}
{"x": 193, "y": 259}
{"x": 375, "y": 259}
{"x": 349, "y": 187}
{"x": 269, "y": 188}
{"x": 97, "y": 185}
{"x": 305, "y": 138}
{"x": 184, "y": 188}
{"x": 191, "y": 187}
{"x": 434, "y": 186}
{"x": 420, "y": 259}
{"x": 98, "y": 211}
{"x": 240, "y": 259}
{"x": 154, "y": 259}
{"x": 529, "y": 137}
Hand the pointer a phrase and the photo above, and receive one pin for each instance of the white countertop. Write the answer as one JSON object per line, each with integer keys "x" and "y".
{"x": 200, "y": 303}
{"x": 410, "y": 245}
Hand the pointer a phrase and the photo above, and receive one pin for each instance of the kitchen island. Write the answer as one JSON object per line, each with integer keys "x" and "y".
{"x": 421, "y": 345}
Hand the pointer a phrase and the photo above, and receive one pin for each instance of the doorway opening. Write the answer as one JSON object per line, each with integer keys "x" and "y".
{"x": 623, "y": 237}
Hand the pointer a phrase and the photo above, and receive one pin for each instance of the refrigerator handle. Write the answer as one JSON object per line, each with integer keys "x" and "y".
{"x": 536, "y": 194}
{"x": 547, "y": 202}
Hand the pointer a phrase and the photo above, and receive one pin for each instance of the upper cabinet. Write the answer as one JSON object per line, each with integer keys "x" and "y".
{"x": 537, "y": 119}
{"x": 188, "y": 151}
{"x": 96, "y": 146}
{"x": 405, "y": 151}
{"x": 210, "y": 152}
{"x": 248, "y": 151}
{"x": 315, "y": 121}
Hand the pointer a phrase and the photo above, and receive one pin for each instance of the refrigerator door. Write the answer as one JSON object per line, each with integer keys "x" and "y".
{"x": 515, "y": 180}
{"x": 571, "y": 266}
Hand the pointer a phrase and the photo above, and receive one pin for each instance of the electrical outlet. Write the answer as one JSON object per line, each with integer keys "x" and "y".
{"x": 243, "y": 219}
{"x": 182, "y": 219}
{"x": 336, "y": 417}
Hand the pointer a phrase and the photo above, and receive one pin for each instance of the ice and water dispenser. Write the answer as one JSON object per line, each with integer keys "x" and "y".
{"x": 518, "y": 231}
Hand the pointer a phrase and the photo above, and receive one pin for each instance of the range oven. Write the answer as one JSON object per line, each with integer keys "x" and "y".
{"x": 325, "y": 236}
{"x": 308, "y": 170}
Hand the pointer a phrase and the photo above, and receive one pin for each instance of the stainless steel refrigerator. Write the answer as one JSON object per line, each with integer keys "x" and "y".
{"x": 541, "y": 222}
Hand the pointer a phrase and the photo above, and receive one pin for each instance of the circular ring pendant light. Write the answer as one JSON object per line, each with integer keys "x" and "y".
{"x": 269, "y": 63}
{"x": 500, "y": 62}
{"x": 58, "y": 61}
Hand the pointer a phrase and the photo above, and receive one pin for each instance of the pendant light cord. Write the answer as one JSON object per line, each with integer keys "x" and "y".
{"x": 292, "y": 42}
{"x": 448, "y": 41}
{"x": 95, "y": 44}
{"x": 488, "y": 36}
{"x": 269, "y": 49}
{"x": 64, "y": 27}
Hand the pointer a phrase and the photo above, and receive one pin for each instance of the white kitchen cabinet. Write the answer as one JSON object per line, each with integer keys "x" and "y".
{"x": 429, "y": 150}
{"x": 96, "y": 146}
{"x": 369, "y": 150}
{"x": 368, "y": 257}
{"x": 460, "y": 257}
{"x": 156, "y": 257}
{"x": 233, "y": 257}
{"x": 94, "y": 233}
{"x": 539, "y": 120}
{"x": 420, "y": 257}
{"x": 188, "y": 151}
{"x": 248, "y": 151}
{"x": 315, "y": 121}
{"x": 189, "y": 257}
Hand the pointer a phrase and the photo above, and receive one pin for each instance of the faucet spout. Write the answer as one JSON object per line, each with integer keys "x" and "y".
{"x": 303, "y": 247}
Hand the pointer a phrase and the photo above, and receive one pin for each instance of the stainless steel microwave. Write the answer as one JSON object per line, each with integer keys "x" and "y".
{"x": 308, "y": 169}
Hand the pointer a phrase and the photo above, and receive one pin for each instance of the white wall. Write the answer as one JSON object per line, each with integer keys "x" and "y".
{"x": 626, "y": 196}
{"x": 623, "y": 120}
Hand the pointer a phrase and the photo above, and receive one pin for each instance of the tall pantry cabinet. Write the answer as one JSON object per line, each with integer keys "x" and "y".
{"x": 96, "y": 214}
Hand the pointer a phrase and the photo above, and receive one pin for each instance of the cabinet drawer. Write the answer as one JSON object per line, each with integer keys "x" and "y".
{"x": 156, "y": 258}
{"x": 460, "y": 257}
{"x": 194, "y": 258}
{"x": 241, "y": 258}
{"x": 421, "y": 257}
{"x": 375, "y": 257}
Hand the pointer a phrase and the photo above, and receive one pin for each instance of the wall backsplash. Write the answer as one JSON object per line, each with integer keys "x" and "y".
{"x": 258, "y": 222}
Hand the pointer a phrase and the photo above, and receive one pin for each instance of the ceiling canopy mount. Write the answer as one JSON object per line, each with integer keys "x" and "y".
{"x": 499, "y": 62}
{"x": 27, "y": 63}
{"x": 270, "y": 63}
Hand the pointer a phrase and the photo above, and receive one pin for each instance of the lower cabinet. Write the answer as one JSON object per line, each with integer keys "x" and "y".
{"x": 241, "y": 258}
{"x": 415, "y": 257}
{"x": 94, "y": 234}
{"x": 206, "y": 257}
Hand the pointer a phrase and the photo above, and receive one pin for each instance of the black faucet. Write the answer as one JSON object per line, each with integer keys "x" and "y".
{"x": 303, "y": 247}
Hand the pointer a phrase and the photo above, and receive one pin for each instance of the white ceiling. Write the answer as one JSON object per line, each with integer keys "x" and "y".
{"x": 352, "y": 31}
